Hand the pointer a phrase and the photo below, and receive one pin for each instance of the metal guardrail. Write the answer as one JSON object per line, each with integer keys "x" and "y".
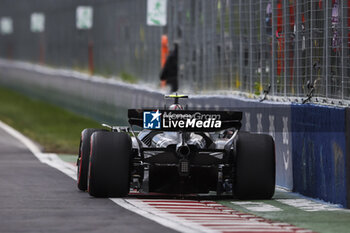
{"x": 224, "y": 45}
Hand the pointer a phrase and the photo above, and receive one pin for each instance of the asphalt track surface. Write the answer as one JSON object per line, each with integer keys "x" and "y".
{"x": 37, "y": 198}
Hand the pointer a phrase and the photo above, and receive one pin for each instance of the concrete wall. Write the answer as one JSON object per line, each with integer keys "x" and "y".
{"x": 320, "y": 152}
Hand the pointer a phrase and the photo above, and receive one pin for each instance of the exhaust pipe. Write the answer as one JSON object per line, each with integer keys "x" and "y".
{"x": 182, "y": 151}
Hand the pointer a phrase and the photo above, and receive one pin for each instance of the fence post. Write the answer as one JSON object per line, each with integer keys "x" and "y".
{"x": 241, "y": 55}
{"x": 204, "y": 45}
{"x": 221, "y": 45}
{"x": 273, "y": 67}
{"x": 326, "y": 45}
{"x": 297, "y": 47}
{"x": 196, "y": 44}
{"x": 251, "y": 46}
{"x": 231, "y": 62}
{"x": 91, "y": 57}
{"x": 262, "y": 55}
{"x": 311, "y": 40}
{"x": 344, "y": 36}
{"x": 286, "y": 44}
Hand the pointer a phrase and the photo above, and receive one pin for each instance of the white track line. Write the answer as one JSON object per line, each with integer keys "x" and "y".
{"x": 50, "y": 159}
{"x": 26, "y": 141}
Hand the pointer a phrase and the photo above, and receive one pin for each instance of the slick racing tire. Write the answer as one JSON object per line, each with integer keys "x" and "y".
{"x": 109, "y": 171}
{"x": 83, "y": 158}
{"x": 254, "y": 176}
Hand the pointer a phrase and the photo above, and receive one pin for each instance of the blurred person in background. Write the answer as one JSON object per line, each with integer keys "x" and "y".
{"x": 169, "y": 73}
{"x": 164, "y": 52}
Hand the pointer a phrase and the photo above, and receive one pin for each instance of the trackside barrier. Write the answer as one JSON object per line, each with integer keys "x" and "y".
{"x": 312, "y": 142}
{"x": 320, "y": 152}
{"x": 347, "y": 127}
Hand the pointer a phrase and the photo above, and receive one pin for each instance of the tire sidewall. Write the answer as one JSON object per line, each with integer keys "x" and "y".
{"x": 255, "y": 166}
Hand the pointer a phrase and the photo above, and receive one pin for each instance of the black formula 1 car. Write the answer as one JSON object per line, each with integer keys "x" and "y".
{"x": 178, "y": 151}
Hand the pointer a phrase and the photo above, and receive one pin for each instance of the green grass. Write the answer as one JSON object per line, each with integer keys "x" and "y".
{"x": 54, "y": 128}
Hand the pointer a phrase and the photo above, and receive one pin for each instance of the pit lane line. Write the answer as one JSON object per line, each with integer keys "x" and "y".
{"x": 179, "y": 219}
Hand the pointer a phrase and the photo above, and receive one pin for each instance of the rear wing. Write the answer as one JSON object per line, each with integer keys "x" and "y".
{"x": 184, "y": 120}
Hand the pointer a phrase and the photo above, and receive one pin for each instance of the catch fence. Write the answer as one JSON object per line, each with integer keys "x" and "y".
{"x": 230, "y": 46}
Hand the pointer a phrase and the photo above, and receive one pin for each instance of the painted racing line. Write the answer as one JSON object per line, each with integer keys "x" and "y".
{"x": 187, "y": 216}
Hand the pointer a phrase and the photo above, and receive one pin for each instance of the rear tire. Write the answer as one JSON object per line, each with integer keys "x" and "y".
{"x": 109, "y": 171}
{"x": 254, "y": 166}
{"x": 83, "y": 158}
